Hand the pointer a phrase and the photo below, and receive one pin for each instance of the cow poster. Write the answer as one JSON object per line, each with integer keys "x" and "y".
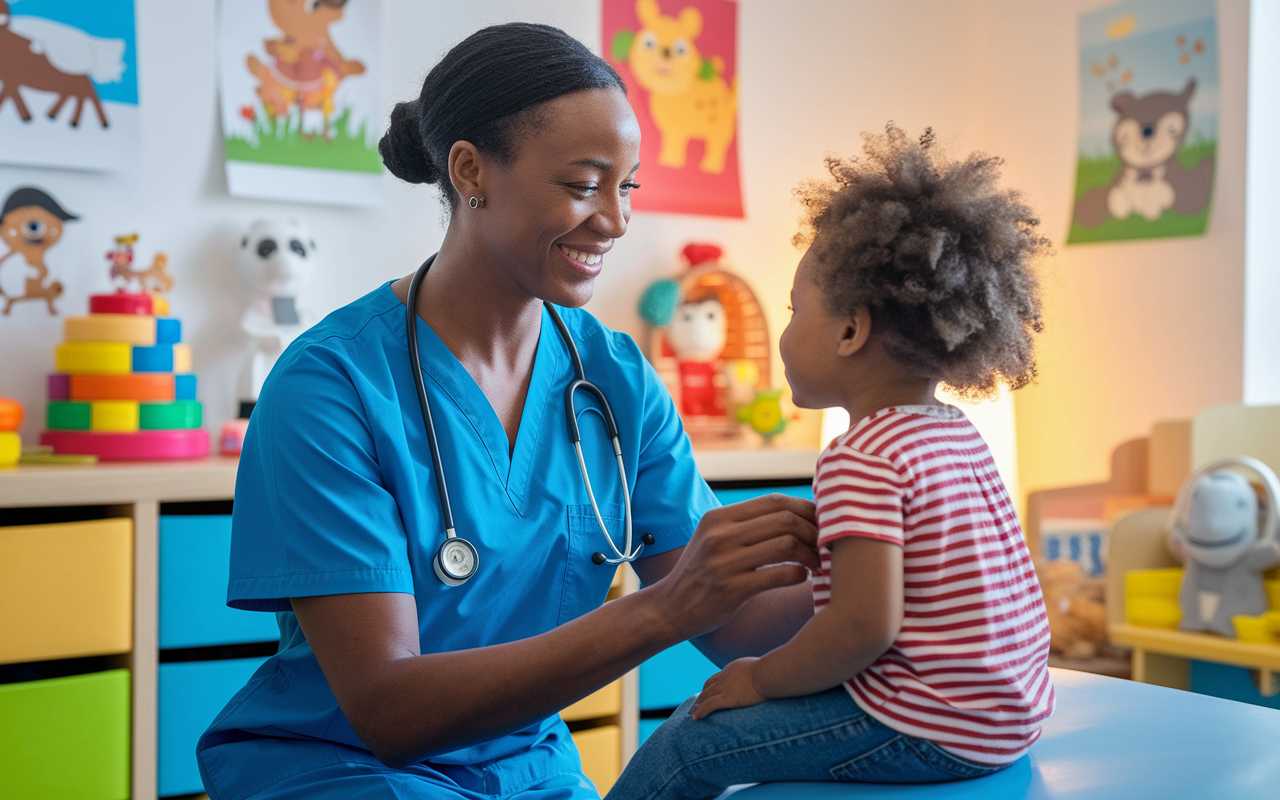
{"x": 299, "y": 100}
{"x": 1148, "y": 121}
{"x": 679, "y": 61}
{"x": 69, "y": 84}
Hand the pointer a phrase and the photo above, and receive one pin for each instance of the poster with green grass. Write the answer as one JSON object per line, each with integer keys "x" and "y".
{"x": 299, "y": 100}
{"x": 1148, "y": 121}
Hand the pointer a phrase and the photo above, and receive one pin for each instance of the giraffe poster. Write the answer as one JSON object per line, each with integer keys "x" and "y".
{"x": 69, "y": 84}
{"x": 679, "y": 61}
{"x": 299, "y": 100}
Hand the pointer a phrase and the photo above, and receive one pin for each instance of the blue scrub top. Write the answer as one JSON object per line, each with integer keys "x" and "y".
{"x": 336, "y": 494}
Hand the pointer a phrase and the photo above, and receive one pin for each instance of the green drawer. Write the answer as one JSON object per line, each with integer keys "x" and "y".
{"x": 66, "y": 738}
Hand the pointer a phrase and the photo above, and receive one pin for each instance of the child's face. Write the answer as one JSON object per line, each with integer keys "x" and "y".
{"x": 809, "y": 344}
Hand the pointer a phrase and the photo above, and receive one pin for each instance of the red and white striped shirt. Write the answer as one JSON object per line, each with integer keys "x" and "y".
{"x": 969, "y": 669}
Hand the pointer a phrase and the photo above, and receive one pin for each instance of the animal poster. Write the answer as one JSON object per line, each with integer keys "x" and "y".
{"x": 679, "y": 61}
{"x": 69, "y": 84}
{"x": 299, "y": 97}
{"x": 1148, "y": 120}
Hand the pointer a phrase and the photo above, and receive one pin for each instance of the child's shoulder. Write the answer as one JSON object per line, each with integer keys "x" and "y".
{"x": 898, "y": 432}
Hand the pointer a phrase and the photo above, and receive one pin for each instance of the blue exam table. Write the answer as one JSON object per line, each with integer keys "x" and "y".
{"x": 1109, "y": 739}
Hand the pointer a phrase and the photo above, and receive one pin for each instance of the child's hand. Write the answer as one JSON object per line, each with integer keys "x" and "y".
{"x": 731, "y": 687}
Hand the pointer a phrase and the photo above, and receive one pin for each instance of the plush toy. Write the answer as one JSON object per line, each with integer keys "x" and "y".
{"x": 1074, "y": 604}
{"x": 1215, "y": 530}
{"x": 275, "y": 262}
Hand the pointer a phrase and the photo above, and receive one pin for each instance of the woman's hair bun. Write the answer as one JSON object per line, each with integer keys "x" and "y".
{"x": 402, "y": 148}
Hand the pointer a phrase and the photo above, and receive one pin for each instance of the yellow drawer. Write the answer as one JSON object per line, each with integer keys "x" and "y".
{"x": 601, "y": 750}
{"x": 1153, "y": 612}
{"x": 603, "y": 702}
{"x": 66, "y": 590}
{"x": 1152, "y": 582}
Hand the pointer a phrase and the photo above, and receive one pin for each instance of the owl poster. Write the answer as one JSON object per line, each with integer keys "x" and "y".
{"x": 679, "y": 61}
{"x": 1148, "y": 121}
{"x": 69, "y": 84}
{"x": 299, "y": 100}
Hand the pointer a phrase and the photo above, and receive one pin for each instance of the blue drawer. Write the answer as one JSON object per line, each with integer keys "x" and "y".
{"x": 667, "y": 679}
{"x": 191, "y": 695}
{"x": 728, "y": 496}
{"x": 1228, "y": 682}
{"x": 195, "y": 557}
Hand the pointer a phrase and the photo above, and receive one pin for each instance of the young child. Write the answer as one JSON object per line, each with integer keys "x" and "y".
{"x": 926, "y": 659}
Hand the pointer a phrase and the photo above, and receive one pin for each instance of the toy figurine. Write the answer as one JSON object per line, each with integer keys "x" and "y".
{"x": 153, "y": 280}
{"x": 1214, "y": 529}
{"x": 710, "y": 343}
{"x": 275, "y": 263}
{"x": 764, "y": 414}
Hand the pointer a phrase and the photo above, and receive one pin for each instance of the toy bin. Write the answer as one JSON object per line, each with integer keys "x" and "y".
{"x": 601, "y": 751}
{"x": 191, "y": 695}
{"x": 66, "y": 738}
{"x": 66, "y": 590}
{"x": 194, "y": 566}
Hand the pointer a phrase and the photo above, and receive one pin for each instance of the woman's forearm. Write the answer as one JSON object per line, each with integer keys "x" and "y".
{"x": 407, "y": 708}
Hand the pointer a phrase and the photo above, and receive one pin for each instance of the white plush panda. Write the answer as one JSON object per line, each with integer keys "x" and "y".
{"x": 276, "y": 262}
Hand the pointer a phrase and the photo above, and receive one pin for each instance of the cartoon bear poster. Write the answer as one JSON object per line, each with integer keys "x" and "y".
{"x": 299, "y": 97}
{"x": 679, "y": 61}
{"x": 69, "y": 84}
{"x": 1148, "y": 121}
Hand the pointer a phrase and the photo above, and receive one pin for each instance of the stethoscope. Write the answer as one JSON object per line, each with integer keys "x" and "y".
{"x": 457, "y": 560}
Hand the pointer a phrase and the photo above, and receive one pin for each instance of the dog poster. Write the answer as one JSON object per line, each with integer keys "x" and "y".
{"x": 679, "y": 61}
{"x": 1148, "y": 121}
{"x": 299, "y": 100}
{"x": 69, "y": 84}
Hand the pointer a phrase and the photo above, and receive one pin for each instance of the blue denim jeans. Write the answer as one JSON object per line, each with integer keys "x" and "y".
{"x": 821, "y": 737}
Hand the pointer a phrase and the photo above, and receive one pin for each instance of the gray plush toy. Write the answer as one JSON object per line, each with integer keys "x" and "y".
{"x": 1215, "y": 530}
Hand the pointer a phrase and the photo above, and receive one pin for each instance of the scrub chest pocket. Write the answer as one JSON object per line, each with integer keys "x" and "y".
{"x": 586, "y": 584}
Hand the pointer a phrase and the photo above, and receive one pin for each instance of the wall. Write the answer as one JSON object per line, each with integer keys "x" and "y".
{"x": 814, "y": 75}
{"x": 1136, "y": 332}
{"x": 1261, "y": 258}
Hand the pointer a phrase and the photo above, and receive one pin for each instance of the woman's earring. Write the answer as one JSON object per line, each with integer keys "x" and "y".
{"x": 475, "y": 202}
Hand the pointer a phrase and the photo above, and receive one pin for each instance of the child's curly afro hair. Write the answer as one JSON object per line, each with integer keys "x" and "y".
{"x": 941, "y": 257}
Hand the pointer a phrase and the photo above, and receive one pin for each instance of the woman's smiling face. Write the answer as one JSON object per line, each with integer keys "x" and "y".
{"x": 551, "y": 214}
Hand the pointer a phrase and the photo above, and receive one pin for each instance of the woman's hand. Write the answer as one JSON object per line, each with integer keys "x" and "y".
{"x": 731, "y": 687}
{"x": 737, "y": 552}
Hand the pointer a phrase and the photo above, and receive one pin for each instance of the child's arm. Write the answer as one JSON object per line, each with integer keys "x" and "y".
{"x": 855, "y": 628}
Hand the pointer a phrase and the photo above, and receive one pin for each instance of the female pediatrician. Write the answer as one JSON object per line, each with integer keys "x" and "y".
{"x": 389, "y": 681}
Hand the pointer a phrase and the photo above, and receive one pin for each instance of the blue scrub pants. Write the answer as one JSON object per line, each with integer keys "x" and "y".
{"x": 270, "y": 768}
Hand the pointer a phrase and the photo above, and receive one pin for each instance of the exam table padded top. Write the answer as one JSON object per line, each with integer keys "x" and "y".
{"x": 1109, "y": 739}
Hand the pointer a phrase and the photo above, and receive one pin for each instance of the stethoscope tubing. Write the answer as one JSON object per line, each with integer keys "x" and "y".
{"x": 580, "y": 381}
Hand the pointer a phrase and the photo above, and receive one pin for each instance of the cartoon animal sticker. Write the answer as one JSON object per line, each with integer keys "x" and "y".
{"x": 30, "y": 223}
{"x": 689, "y": 98}
{"x": 306, "y": 66}
{"x": 49, "y": 56}
{"x": 1147, "y": 136}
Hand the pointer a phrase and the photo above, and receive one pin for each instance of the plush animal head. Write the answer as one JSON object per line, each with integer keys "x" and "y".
{"x": 663, "y": 56}
{"x": 277, "y": 258}
{"x": 1222, "y": 519}
{"x": 697, "y": 330}
{"x": 305, "y": 21}
{"x": 1151, "y": 128}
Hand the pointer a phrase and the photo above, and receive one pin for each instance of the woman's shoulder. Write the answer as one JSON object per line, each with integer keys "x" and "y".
{"x": 598, "y": 342}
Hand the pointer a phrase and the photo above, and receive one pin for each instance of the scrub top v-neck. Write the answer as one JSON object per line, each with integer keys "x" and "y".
{"x": 335, "y": 495}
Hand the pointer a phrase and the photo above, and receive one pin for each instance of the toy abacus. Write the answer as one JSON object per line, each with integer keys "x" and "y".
{"x": 123, "y": 387}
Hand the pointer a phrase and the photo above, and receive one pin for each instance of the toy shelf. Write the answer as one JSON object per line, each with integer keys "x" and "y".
{"x": 755, "y": 464}
{"x": 1201, "y": 646}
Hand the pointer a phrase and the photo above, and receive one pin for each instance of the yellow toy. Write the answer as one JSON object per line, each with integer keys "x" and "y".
{"x": 688, "y": 95}
{"x": 10, "y": 443}
{"x": 764, "y": 414}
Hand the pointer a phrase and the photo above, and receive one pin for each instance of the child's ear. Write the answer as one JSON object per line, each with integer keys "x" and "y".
{"x": 855, "y": 333}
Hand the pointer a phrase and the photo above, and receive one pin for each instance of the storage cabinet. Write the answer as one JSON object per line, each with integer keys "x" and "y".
{"x": 127, "y": 579}
{"x": 66, "y": 738}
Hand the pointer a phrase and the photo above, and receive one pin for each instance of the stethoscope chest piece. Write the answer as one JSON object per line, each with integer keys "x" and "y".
{"x": 456, "y": 561}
